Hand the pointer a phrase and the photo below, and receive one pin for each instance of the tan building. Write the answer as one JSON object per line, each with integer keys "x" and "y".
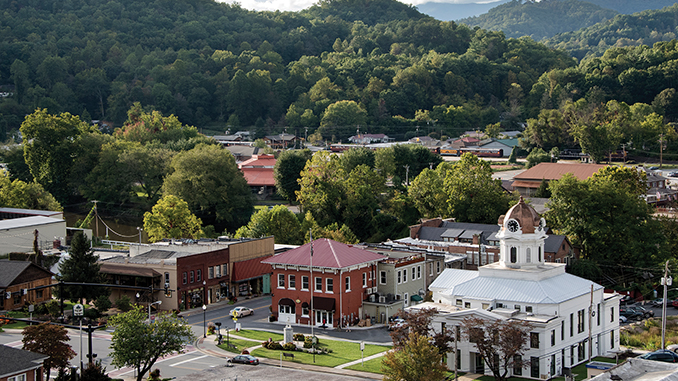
{"x": 529, "y": 181}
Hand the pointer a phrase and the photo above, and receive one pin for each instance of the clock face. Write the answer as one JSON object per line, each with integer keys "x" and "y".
{"x": 513, "y": 226}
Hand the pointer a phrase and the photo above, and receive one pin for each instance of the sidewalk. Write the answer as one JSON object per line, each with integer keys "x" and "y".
{"x": 208, "y": 346}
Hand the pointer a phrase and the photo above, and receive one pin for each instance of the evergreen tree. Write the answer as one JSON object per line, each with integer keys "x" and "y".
{"x": 81, "y": 266}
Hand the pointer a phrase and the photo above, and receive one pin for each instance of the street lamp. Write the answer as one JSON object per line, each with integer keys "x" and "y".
{"x": 159, "y": 302}
{"x": 204, "y": 321}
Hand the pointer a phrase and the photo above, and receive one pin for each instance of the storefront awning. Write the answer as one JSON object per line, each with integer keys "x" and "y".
{"x": 324, "y": 304}
{"x": 416, "y": 298}
{"x": 286, "y": 302}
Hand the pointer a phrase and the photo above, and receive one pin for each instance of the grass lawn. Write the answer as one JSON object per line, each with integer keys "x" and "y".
{"x": 18, "y": 324}
{"x": 342, "y": 352}
{"x": 240, "y": 345}
{"x": 258, "y": 336}
{"x": 372, "y": 366}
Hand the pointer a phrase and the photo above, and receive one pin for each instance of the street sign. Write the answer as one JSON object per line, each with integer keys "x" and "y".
{"x": 31, "y": 308}
{"x": 78, "y": 310}
{"x": 362, "y": 345}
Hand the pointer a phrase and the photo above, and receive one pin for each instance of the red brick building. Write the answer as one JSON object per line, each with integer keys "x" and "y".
{"x": 338, "y": 274}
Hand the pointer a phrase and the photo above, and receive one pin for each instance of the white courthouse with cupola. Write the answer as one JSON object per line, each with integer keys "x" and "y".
{"x": 565, "y": 310}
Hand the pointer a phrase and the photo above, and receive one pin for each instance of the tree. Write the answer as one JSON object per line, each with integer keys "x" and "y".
{"x": 599, "y": 129}
{"x": 472, "y": 194}
{"x": 537, "y": 156}
{"x": 341, "y": 114}
{"x": 81, "y": 266}
{"x": 609, "y": 219}
{"x": 287, "y": 172}
{"x": 18, "y": 194}
{"x": 49, "y": 149}
{"x": 49, "y": 340}
{"x": 543, "y": 190}
{"x": 427, "y": 192}
{"x": 171, "y": 218}
{"x": 208, "y": 179}
{"x": 278, "y": 222}
{"x": 501, "y": 343}
{"x": 138, "y": 344}
{"x": 416, "y": 360}
{"x": 147, "y": 167}
{"x": 419, "y": 323}
{"x": 144, "y": 126}
{"x": 355, "y": 157}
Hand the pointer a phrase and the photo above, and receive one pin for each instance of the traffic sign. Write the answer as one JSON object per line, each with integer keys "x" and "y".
{"x": 78, "y": 310}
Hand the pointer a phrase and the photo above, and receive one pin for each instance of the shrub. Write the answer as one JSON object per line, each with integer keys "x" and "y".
{"x": 274, "y": 345}
{"x": 103, "y": 303}
{"x": 91, "y": 313}
{"x": 289, "y": 347}
{"x": 211, "y": 328}
{"x": 123, "y": 303}
{"x": 299, "y": 337}
{"x": 53, "y": 308}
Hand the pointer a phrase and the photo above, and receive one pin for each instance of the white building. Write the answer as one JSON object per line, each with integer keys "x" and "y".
{"x": 564, "y": 310}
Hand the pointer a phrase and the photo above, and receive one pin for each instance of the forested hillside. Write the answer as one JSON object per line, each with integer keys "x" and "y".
{"x": 541, "y": 19}
{"x": 217, "y": 65}
{"x": 646, "y": 28}
{"x": 632, "y": 6}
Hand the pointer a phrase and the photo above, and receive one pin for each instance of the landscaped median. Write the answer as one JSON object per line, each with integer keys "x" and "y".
{"x": 335, "y": 352}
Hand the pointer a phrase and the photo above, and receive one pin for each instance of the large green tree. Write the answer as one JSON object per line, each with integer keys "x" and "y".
{"x": 416, "y": 360}
{"x": 49, "y": 150}
{"x": 19, "y": 194}
{"x": 607, "y": 216}
{"x": 138, "y": 344}
{"x": 287, "y": 171}
{"x": 171, "y": 218}
{"x": 81, "y": 266}
{"x": 278, "y": 222}
{"x": 208, "y": 179}
{"x": 472, "y": 194}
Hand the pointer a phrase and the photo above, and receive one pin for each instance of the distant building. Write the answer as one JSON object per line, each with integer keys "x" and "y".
{"x": 369, "y": 139}
{"x": 258, "y": 172}
{"x": 527, "y": 182}
{"x": 280, "y": 141}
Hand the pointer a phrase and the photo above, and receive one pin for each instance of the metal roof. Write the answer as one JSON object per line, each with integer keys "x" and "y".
{"x": 555, "y": 171}
{"x": 469, "y": 284}
{"x": 23, "y": 222}
{"x": 326, "y": 253}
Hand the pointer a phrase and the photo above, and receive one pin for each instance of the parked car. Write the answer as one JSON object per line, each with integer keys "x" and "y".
{"x": 397, "y": 323}
{"x": 631, "y": 313}
{"x": 241, "y": 311}
{"x": 661, "y": 355}
{"x": 672, "y": 347}
{"x": 653, "y": 168}
{"x": 674, "y": 303}
{"x": 245, "y": 359}
{"x": 659, "y": 302}
{"x": 626, "y": 299}
{"x": 623, "y": 319}
{"x": 673, "y": 174}
{"x": 647, "y": 313}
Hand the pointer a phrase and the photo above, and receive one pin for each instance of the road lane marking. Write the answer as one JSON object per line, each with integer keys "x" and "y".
{"x": 189, "y": 360}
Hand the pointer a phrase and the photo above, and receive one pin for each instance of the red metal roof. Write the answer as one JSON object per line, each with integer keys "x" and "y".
{"x": 249, "y": 269}
{"x": 554, "y": 171}
{"x": 258, "y": 176}
{"x": 327, "y": 254}
{"x": 262, "y": 161}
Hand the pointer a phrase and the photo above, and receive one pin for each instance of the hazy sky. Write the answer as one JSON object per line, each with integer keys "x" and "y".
{"x": 296, "y": 5}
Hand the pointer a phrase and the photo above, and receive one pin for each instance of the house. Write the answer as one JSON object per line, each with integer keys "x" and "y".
{"x": 21, "y": 365}
{"x": 16, "y": 278}
{"x": 280, "y": 141}
{"x": 188, "y": 274}
{"x": 425, "y": 141}
{"x": 258, "y": 172}
{"x": 569, "y": 316}
{"x": 658, "y": 192}
{"x": 506, "y": 145}
{"x": 369, "y": 139}
{"x": 242, "y": 152}
{"x": 529, "y": 181}
{"x": 322, "y": 283}
{"x": 477, "y": 242}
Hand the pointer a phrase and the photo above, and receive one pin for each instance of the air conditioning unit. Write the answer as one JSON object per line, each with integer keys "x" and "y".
{"x": 382, "y": 299}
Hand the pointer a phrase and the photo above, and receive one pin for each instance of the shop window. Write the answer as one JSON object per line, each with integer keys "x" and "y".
{"x": 319, "y": 284}
{"x": 210, "y": 272}
{"x": 304, "y": 283}
{"x": 192, "y": 276}
{"x": 293, "y": 282}
{"x": 281, "y": 280}
{"x": 348, "y": 284}
{"x": 184, "y": 278}
{"x": 329, "y": 285}
{"x": 217, "y": 271}
{"x": 198, "y": 275}
{"x": 382, "y": 277}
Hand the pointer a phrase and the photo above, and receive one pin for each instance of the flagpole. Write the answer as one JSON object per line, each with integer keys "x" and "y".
{"x": 311, "y": 285}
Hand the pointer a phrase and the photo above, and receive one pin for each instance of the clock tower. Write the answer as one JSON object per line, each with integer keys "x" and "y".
{"x": 521, "y": 237}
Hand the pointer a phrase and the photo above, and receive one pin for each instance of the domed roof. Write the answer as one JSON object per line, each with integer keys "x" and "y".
{"x": 527, "y": 217}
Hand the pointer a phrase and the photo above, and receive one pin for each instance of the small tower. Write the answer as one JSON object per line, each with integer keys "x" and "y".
{"x": 521, "y": 237}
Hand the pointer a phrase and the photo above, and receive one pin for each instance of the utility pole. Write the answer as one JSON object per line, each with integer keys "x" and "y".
{"x": 661, "y": 149}
{"x": 407, "y": 174}
{"x": 666, "y": 281}
{"x": 96, "y": 218}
